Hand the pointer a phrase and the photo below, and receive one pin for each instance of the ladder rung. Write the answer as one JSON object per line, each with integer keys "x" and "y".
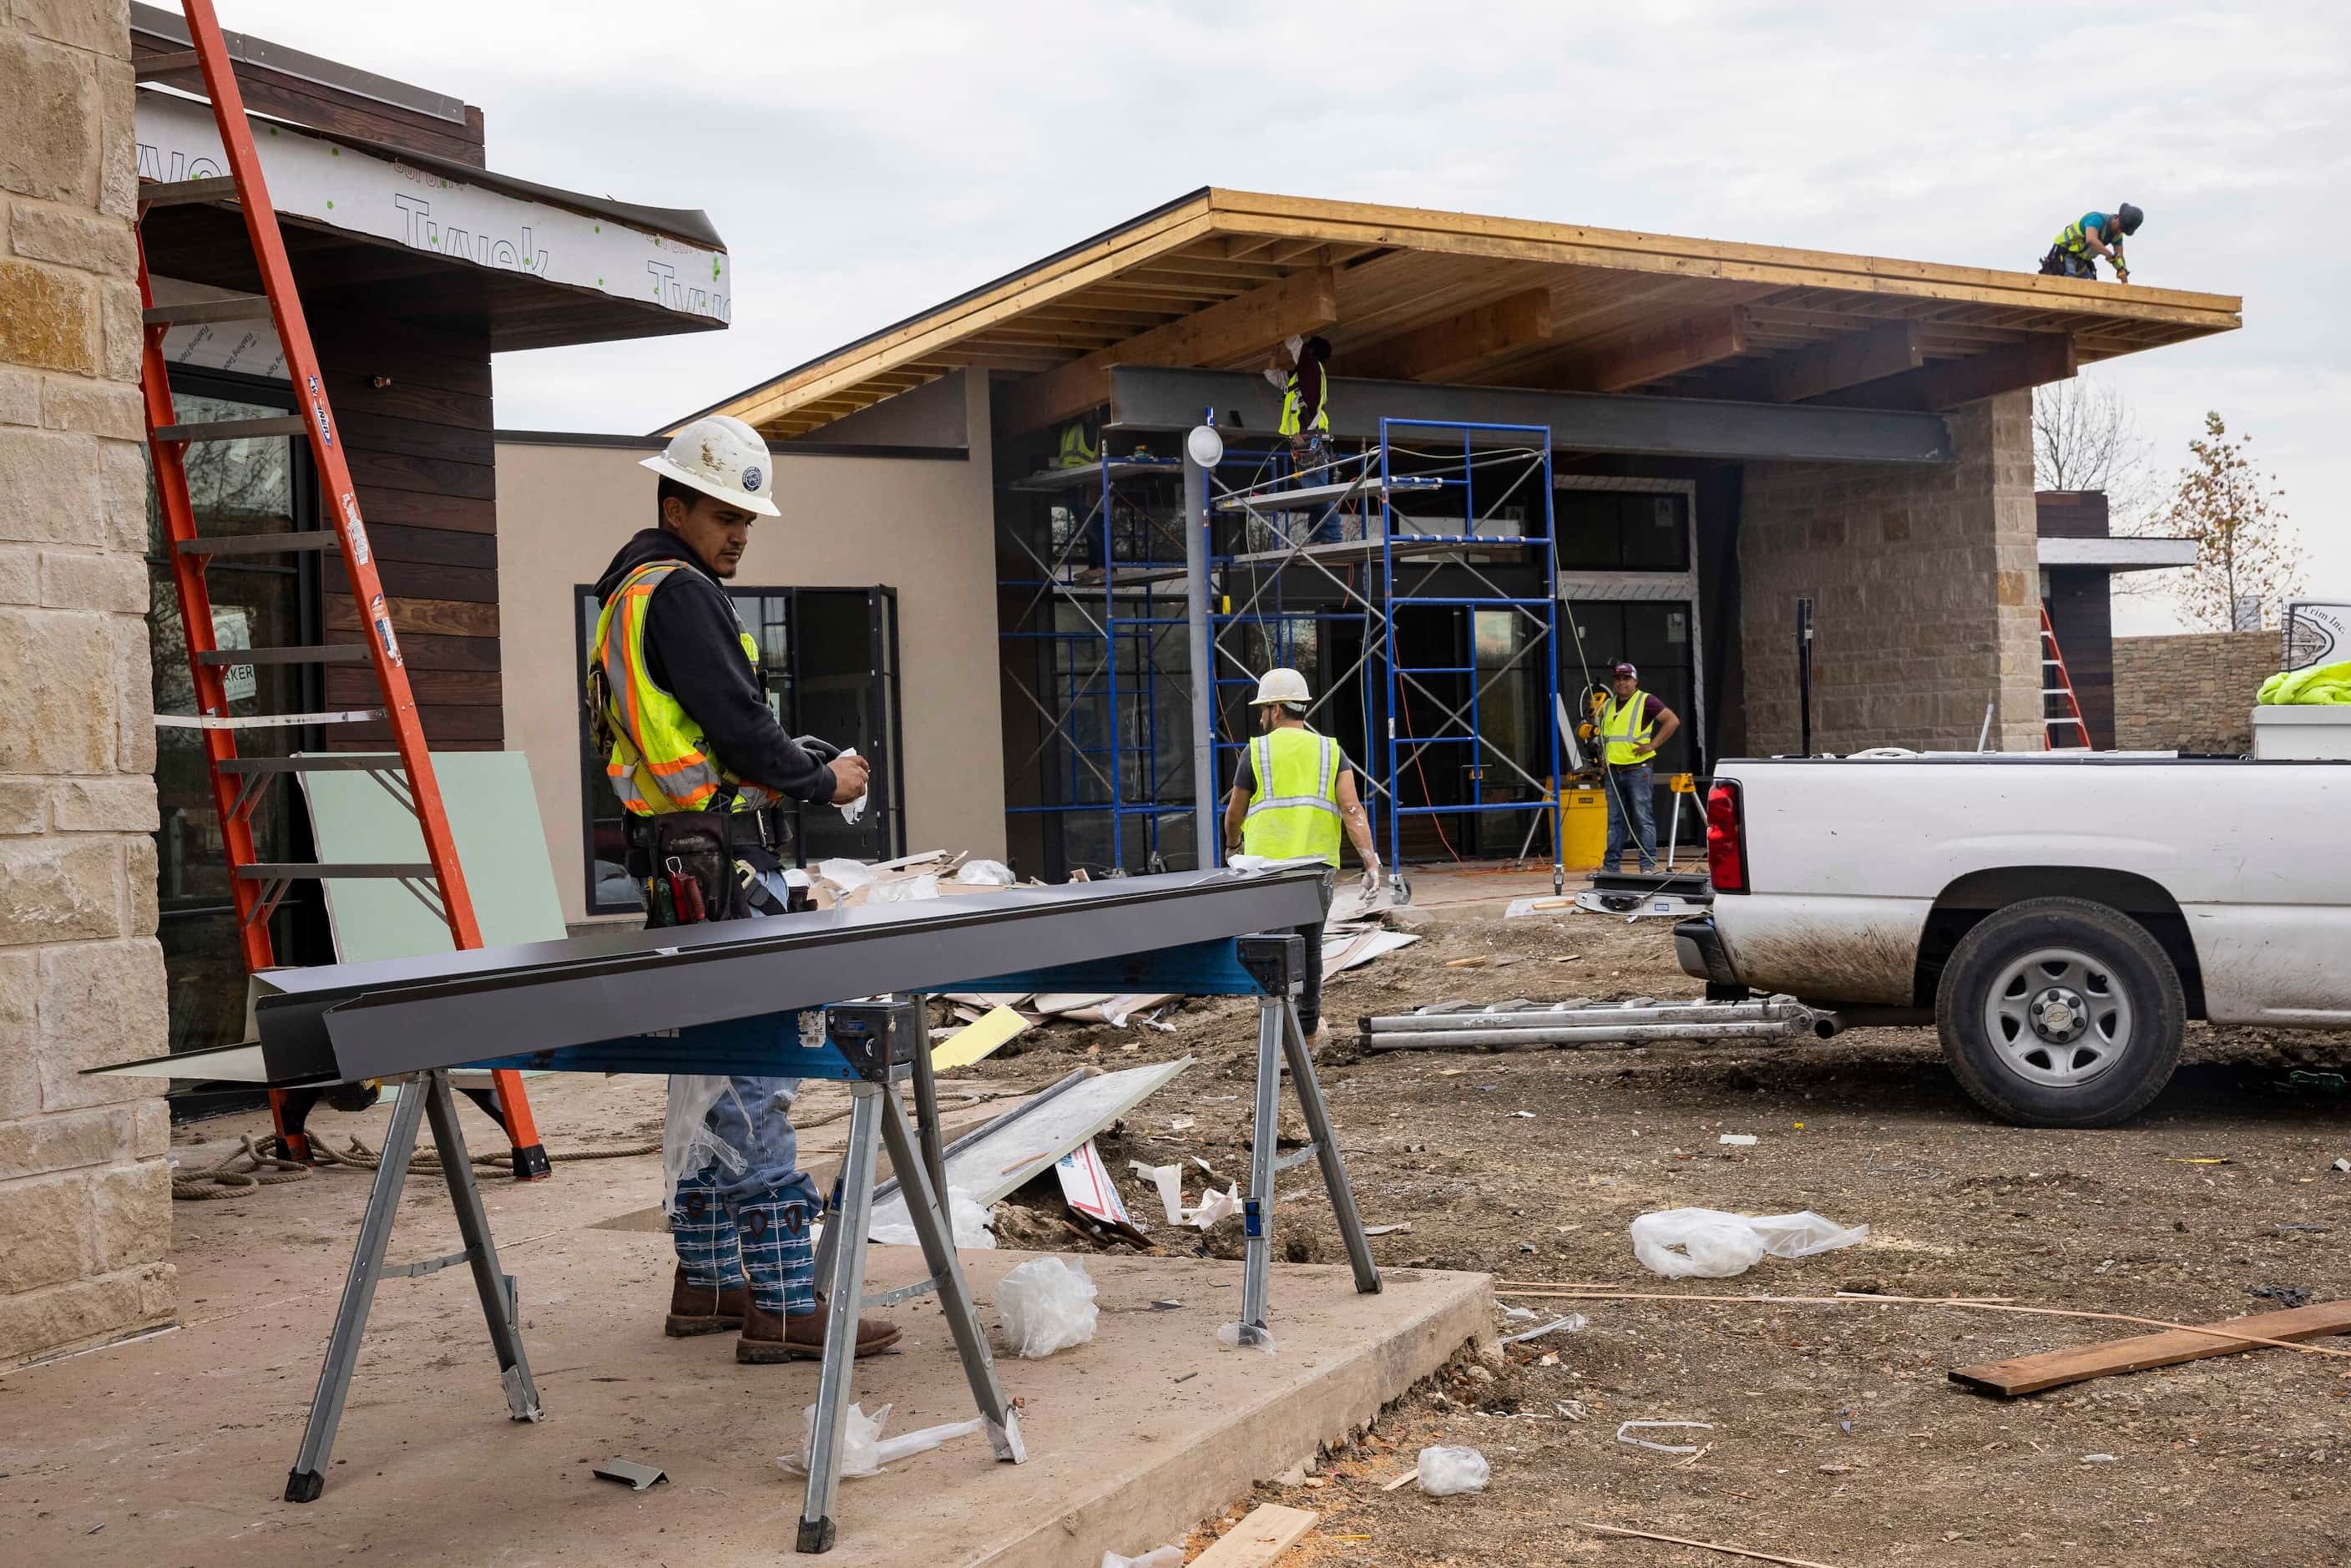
{"x": 156, "y": 67}
{"x": 2067, "y": 718}
{"x": 196, "y": 312}
{"x": 181, "y": 192}
{"x": 233, "y": 429}
{"x": 258, "y": 544}
{"x": 339, "y": 762}
{"x": 2056, "y": 691}
{"x": 270, "y": 720}
{"x": 334, "y": 653}
{"x": 283, "y": 870}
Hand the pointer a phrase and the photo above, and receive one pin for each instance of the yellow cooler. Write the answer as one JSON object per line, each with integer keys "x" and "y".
{"x": 1582, "y": 828}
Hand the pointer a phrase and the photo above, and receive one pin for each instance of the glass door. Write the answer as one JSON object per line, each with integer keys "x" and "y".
{"x": 251, "y": 487}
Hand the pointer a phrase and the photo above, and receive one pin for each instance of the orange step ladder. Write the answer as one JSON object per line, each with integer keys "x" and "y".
{"x": 240, "y": 783}
{"x": 2071, "y": 714}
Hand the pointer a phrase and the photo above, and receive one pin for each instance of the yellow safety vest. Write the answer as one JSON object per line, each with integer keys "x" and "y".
{"x": 1294, "y": 812}
{"x": 1077, "y": 452}
{"x": 657, "y": 763}
{"x": 1631, "y": 742}
{"x": 1294, "y": 407}
{"x": 2072, "y": 242}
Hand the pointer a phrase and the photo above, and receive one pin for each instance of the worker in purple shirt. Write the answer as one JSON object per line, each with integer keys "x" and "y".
{"x": 1632, "y": 724}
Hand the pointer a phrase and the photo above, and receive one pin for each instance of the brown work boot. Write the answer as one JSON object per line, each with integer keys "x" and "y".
{"x": 769, "y": 1337}
{"x": 704, "y": 1308}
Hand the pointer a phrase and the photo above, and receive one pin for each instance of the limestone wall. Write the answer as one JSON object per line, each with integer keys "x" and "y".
{"x": 85, "y": 1197}
{"x": 2193, "y": 691}
{"x": 1923, "y": 582}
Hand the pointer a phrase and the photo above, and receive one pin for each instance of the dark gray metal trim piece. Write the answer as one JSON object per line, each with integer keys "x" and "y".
{"x": 172, "y": 27}
{"x": 384, "y": 1018}
{"x": 1147, "y": 397}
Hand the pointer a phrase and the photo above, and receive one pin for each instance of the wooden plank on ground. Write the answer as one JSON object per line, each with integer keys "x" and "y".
{"x": 1268, "y": 1532}
{"x": 970, "y": 1044}
{"x": 2055, "y": 1368}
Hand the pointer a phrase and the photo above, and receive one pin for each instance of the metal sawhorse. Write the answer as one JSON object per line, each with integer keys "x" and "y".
{"x": 873, "y": 1046}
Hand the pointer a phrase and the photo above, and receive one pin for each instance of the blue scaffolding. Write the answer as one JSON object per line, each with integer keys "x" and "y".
{"x": 1419, "y": 522}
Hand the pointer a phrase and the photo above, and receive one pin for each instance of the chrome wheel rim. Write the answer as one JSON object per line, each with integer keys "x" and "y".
{"x": 2058, "y": 1017}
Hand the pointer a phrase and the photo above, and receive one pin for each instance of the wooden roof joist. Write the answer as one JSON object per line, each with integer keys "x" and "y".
{"x": 1218, "y": 278}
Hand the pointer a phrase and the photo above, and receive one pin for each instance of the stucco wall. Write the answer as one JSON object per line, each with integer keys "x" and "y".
{"x": 85, "y": 1195}
{"x": 2192, "y": 691}
{"x": 1924, "y": 587}
{"x": 919, "y": 526}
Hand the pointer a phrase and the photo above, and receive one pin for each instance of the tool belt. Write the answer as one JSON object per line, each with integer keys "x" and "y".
{"x": 687, "y": 865}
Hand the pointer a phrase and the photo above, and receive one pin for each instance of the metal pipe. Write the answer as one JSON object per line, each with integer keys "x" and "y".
{"x": 1207, "y": 831}
{"x": 1638, "y": 1034}
{"x": 1775, "y": 1010}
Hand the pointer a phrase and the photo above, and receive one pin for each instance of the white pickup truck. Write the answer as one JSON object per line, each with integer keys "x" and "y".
{"x": 2060, "y": 917}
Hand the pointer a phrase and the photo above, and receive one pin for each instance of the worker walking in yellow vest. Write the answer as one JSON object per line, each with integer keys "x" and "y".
{"x": 1293, "y": 795}
{"x": 699, "y": 763}
{"x": 1632, "y": 724}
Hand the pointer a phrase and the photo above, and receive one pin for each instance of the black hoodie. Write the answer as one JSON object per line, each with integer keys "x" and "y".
{"x": 693, "y": 651}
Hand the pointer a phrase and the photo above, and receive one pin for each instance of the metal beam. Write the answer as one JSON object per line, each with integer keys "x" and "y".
{"x": 1153, "y": 398}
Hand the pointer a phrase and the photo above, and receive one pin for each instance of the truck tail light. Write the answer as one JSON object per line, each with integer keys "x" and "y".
{"x": 1725, "y": 839}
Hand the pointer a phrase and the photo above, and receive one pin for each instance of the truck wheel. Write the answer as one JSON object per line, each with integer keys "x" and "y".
{"x": 2059, "y": 1012}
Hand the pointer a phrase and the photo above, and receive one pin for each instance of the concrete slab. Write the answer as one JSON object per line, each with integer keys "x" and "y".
{"x": 178, "y": 1446}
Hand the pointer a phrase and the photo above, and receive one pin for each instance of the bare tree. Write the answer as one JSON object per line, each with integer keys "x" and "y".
{"x": 2246, "y": 554}
{"x": 2086, "y": 438}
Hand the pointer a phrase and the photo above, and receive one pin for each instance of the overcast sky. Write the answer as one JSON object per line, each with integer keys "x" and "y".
{"x": 866, "y": 161}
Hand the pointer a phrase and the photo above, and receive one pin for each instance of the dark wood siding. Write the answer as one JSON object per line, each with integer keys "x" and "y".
{"x": 2070, "y": 514}
{"x": 2080, "y": 614}
{"x": 311, "y": 103}
{"x": 424, "y": 459}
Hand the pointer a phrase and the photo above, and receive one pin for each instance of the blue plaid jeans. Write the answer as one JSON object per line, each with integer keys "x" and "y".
{"x": 753, "y": 1223}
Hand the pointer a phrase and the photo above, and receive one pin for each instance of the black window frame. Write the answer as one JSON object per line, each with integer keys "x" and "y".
{"x": 886, "y": 804}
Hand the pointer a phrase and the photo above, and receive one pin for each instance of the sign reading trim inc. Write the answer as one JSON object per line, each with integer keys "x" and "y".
{"x": 364, "y": 194}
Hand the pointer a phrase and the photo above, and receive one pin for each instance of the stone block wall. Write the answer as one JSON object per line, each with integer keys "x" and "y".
{"x": 1925, "y": 590}
{"x": 2193, "y": 691}
{"x": 85, "y": 1194}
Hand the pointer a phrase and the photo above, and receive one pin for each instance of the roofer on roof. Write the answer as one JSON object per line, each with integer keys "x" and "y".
{"x": 2074, "y": 252}
{"x": 699, "y": 762}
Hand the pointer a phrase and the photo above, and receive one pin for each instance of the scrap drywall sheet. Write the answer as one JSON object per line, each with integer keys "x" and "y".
{"x": 328, "y": 183}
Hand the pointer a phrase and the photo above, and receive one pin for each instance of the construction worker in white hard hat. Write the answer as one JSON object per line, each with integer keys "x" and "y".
{"x": 1292, "y": 796}
{"x": 679, "y": 707}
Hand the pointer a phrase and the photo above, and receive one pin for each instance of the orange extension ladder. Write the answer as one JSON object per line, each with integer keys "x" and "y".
{"x": 2051, "y": 659}
{"x": 238, "y": 783}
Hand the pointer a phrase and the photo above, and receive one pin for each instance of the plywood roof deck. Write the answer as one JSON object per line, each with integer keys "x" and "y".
{"x": 1216, "y": 279}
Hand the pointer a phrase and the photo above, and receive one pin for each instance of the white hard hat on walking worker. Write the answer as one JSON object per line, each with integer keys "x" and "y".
{"x": 720, "y": 455}
{"x": 1279, "y": 687}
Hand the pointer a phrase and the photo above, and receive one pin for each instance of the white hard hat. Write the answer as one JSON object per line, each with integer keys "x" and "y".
{"x": 720, "y": 455}
{"x": 1279, "y": 687}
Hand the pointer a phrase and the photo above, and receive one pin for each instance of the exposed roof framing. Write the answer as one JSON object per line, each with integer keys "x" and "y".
{"x": 1216, "y": 279}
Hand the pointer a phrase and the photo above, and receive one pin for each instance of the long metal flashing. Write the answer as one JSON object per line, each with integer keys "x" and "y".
{"x": 1148, "y": 397}
{"x": 245, "y": 49}
{"x": 384, "y": 1019}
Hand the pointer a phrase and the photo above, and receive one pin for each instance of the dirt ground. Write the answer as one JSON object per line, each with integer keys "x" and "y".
{"x": 1834, "y": 1435}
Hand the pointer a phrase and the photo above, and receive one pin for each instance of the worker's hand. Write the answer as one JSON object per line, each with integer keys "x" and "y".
{"x": 1371, "y": 877}
{"x": 848, "y": 779}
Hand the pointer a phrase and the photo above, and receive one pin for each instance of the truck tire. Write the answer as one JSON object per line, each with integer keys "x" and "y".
{"x": 2059, "y": 1012}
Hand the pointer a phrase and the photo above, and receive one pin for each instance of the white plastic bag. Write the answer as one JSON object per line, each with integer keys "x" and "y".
{"x": 1710, "y": 1244}
{"x": 1046, "y": 1304}
{"x": 1164, "y": 1557}
{"x": 904, "y": 889}
{"x": 1228, "y": 1337}
{"x": 864, "y": 1449}
{"x": 1447, "y": 1471}
{"x": 969, "y": 1218}
{"x": 689, "y": 1143}
{"x": 985, "y": 873}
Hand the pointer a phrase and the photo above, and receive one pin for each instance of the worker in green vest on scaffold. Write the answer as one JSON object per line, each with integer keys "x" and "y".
{"x": 1300, "y": 373}
{"x": 1293, "y": 795}
{"x": 2074, "y": 252}
{"x": 679, "y": 711}
{"x": 1632, "y": 724}
{"x": 1077, "y": 448}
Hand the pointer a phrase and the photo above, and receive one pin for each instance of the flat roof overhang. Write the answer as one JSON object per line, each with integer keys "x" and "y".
{"x": 2106, "y": 554}
{"x": 433, "y": 239}
{"x": 1212, "y": 280}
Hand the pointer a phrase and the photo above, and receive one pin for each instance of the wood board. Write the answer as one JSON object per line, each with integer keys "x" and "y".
{"x": 1270, "y": 1531}
{"x": 2055, "y": 1368}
